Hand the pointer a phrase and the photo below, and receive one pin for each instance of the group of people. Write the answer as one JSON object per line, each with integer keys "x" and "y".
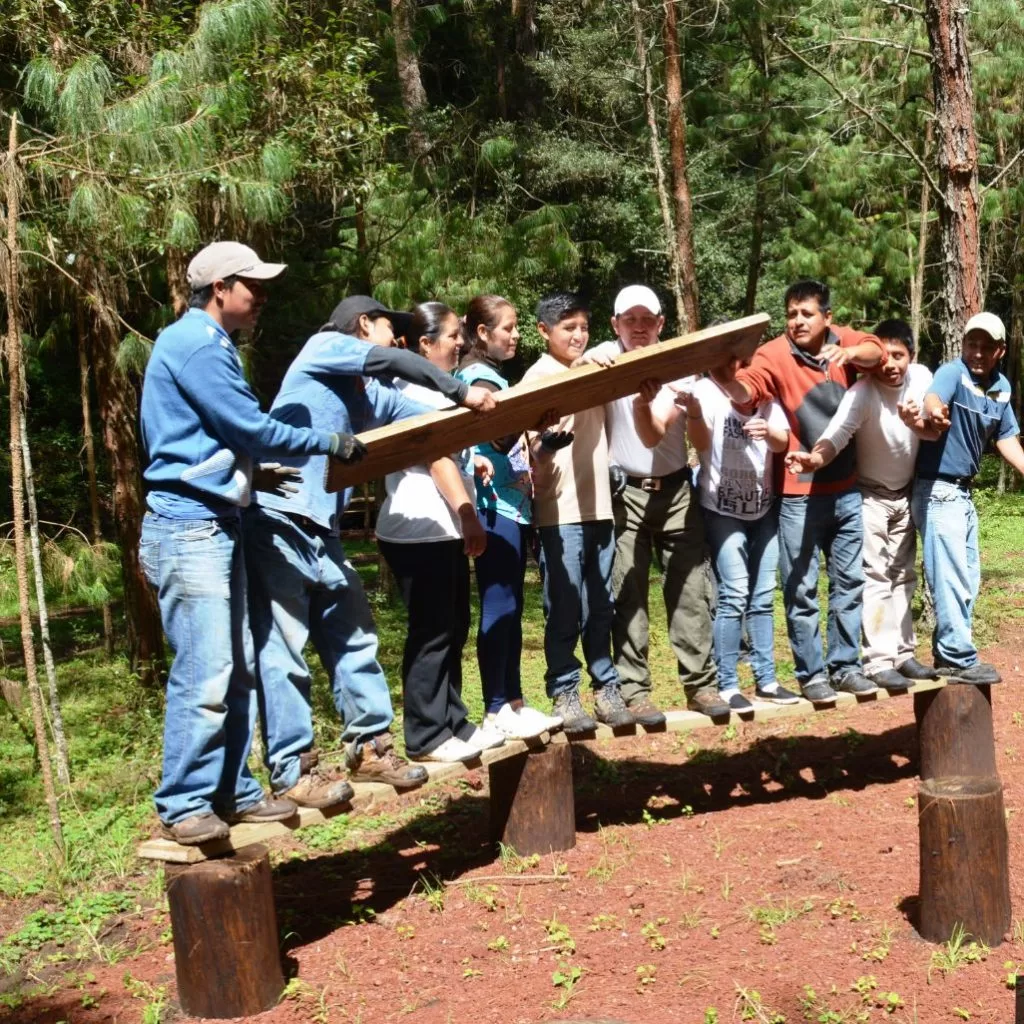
{"x": 797, "y": 458}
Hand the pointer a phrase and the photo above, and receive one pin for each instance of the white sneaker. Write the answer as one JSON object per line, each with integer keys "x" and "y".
{"x": 486, "y": 737}
{"x": 452, "y": 749}
{"x": 512, "y": 726}
{"x": 546, "y": 723}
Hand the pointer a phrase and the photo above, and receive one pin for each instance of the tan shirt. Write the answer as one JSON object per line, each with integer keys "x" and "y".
{"x": 571, "y": 485}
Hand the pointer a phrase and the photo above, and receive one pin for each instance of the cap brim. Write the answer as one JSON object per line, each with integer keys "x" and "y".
{"x": 264, "y": 271}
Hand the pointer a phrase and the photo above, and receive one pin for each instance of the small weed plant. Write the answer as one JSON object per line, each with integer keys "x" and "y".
{"x": 957, "y": 953}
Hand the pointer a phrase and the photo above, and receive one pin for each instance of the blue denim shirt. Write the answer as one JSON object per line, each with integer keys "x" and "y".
{"x": 324, "y": 390}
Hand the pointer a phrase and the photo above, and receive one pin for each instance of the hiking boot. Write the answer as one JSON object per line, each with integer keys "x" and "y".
{"x": 913, "y": 669}
{"x": 891, "y": 680}
{"x": 319, "y": 786}
{"x": 270, "y": 808}
{"x": 200, "y": 828}
{"x": 817, "y": 691}
{"x": 377, "y": 761}
{"x": 575, "y": 719}
{"x": 978, "y": 674}
{"x": 645, "y": 712}
{"x": 610, "y": 708}
{"x": 707, "y": 701}
{"x": 777, "y": 695}
{"x": 736, "y": 701}
{"x": 854, "y": 682}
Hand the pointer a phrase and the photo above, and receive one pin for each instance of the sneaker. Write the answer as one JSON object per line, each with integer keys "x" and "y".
{"x": 610, "y": 708}
{"x": 854, "y": 682}
{"x": 575, "y": 719}
{"x": 451, "y": 750}
{"x": 891, "y": 680}
{"x": 319, "y": 786}
{"x": 270, "y": 808}
{"x": 736, "y": 701}
{"x": 645, "y": 712}
{"x": 486, "y": 737}
{"x": 707, "y": 701}
{"x": 377, "y": 761}
{"x": 978, "y": 674}
{"x": 817, "y": 691}
{"x": 534, "y": 717}
{"x": 913, "y": 669}
{"x": 200, "y": 828}
{"x": 511, "y": 726}
{"x": 778, "y": 695}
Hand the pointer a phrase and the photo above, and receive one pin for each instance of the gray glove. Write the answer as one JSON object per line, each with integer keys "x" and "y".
{"x": 617, "y": 479}
{"x": 553, "y": 440}
{"x": 347, "y": 447}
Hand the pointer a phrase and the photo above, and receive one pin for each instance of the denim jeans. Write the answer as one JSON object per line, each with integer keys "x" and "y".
{"x": 576, "y": 571}
{"x": 948, "y": 521}
{"x": 828, "y": 524}
{"x": 301, "y": 586}
{"x": 196, "y": 566}
{"x": 745, "y": 557}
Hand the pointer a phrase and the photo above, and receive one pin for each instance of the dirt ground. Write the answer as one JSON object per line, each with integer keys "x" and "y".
{"x": 764, "y": 875}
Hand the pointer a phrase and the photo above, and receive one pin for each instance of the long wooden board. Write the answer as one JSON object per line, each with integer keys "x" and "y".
{"x": 432, "y": 435}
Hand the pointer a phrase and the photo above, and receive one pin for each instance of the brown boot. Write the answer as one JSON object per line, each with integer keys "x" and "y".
{"x": 200, "y": 828}
{"x": 377, "y": 761}
{"x": 318, "y": 786}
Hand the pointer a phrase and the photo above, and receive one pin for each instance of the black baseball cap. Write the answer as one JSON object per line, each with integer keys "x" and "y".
{"x": 356, "y": 305}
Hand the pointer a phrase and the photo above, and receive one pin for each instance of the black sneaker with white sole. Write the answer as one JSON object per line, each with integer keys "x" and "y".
{"x": 737, "y": 702}
{"x": 817, "y": 691}
{"x": 978, "y": 674}
{"x": 856, "y": 683}
{"x": 780, "y": 695}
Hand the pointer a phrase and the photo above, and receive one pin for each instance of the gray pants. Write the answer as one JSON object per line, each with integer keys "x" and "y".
{"x": 668, "y": 525}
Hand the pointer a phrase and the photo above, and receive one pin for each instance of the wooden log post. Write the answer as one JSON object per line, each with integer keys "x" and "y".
{"x": 226, "y": 953}
{"x": 964, "y": 872}
{"x": 532, "y": 805}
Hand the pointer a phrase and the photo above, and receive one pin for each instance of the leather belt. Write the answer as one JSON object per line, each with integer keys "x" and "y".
{"x": 653, "y": 484}
{"x": 960, "y": 481}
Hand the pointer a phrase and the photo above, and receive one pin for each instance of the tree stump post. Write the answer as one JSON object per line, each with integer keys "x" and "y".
{"x": 964, "y": 872}
{"x": 226, "y": 954}
{"x": 532, "y": 805}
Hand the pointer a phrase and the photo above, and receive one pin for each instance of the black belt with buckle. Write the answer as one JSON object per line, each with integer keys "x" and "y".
{"x": 306, "y": 524}
{"x": 653, "y": 484}
{"x": 960, "y": 481}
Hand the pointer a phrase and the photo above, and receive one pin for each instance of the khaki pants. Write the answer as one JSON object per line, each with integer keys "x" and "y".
{"x": 667, "y": 525}
{"x": 890, "y": 547}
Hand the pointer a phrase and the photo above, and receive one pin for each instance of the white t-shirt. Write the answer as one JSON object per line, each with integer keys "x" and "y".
{"x": 625, "y": 448}
{"x": 414, "y": 510}
{"x": 886, "y": 446}
{"x": 736, "y": 471}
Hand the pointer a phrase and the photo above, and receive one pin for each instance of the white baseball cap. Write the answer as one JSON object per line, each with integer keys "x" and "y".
{"x": 224, "y": 259}
{"x": 987, "y": 322}
{"x": 637, "y": 295}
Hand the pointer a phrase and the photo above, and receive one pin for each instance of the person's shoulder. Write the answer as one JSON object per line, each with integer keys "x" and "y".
{"x": 545, "y": 366}
{"x": 850, "y": 336}
{"x": 772, "y": 349}
{"x": 610, "y": 348}
{"x": 918, "y": 375}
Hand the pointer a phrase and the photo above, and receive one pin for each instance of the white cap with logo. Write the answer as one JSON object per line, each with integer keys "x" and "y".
{"x": 226, "y": 259}
{"x": 637, "y": 295}
{"x": 987, "y": 322}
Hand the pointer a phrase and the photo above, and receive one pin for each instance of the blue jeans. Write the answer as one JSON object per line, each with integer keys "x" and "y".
{"x": 809, "y": 526}
{"x": 196, "y": 566}
{"x": 301, "y": 586}
{"x": 948, "y": 521}
{"x": 576, "y": 571}
{"x": 745, "y": 556}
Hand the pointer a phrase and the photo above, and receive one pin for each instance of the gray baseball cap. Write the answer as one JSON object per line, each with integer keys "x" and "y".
{"x": 225, "y": 259}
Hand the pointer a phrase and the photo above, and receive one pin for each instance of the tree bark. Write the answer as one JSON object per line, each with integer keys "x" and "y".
{"x": 756, "y": 246}
{"x": 918, "y": 263}
{"x": 12, "y": 192}
{"x": 683, "y": 206}
{"x": 410, "y": 82}
{"x": 958, "y": 168}
{"x": 177, "y": 281}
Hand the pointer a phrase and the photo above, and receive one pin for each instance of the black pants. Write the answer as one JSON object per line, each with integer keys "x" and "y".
{"x": 433, "y": 579}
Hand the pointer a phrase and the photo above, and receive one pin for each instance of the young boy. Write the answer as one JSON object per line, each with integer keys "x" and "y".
{"x": 886, "y": 450}
{"x": 573, "y": 514}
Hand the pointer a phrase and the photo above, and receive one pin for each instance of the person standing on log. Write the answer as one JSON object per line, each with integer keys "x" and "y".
{"x": 202, "y": 427}
{"x": 656, "y": 514}
{"x": 504, "y": 504}
{"x": 302, "y": 585}
{"x": 427, "y": 530}
{"x": 807, "y": 370}
{"x": 573, "y": 515}
{"x": 968, "y": 404}
{"x": 872, "y": 412}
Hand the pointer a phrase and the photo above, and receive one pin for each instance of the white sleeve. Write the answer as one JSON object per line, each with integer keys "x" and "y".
{"x": 848, "y": 417}
{"x": 776, "y": 416}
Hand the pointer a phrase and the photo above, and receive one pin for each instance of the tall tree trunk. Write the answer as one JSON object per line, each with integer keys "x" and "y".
{"x": 677, "y": 161}
{"x": 12, "y": 193}
{"x": 89, "y": 444}
{"x": 1007, "y": 477}
{"x": 60, "y": 742}
{"x": 660, "y": 183}
{"x": 958, "y": 168}
{"x": 756, "y": 245}
{"x": 918, "y": 263}
{"x": 410, "y": 82}
{"x": 177, "y": 280}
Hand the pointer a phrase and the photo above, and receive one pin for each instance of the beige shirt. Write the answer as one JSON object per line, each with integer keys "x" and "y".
{"x": 571, "y": 485}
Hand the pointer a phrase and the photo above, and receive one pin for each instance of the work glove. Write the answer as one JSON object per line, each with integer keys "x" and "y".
{"x": 347, "y": 447}
{"x": 554, "y": 440}
{"x": 617, "y": 479}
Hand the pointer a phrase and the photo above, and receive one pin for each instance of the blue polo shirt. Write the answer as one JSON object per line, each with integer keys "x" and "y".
{"x": 978, "y": 411}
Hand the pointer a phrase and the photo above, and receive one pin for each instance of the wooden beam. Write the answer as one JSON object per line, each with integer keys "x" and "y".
{"x": 422, "y": 438}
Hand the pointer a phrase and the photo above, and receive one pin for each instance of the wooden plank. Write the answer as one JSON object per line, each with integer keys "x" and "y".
{"x": 368, "y": 795}
{"x": 421, "y": 438}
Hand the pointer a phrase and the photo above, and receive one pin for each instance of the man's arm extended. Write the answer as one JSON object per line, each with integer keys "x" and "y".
{"x": 1010, "y": 449}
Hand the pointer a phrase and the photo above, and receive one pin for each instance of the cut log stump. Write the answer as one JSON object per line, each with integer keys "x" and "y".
{"x": 226, "y": 954}
{"x": 964, "y": 859}
{"x": 954, "y": 727}
{"x": 532, "y": 804}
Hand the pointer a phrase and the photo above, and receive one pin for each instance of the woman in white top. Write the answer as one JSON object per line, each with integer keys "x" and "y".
{"x": 427, "y": 530}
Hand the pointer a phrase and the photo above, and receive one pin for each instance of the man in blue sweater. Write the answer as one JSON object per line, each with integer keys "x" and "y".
{"x": 202, "y": 427}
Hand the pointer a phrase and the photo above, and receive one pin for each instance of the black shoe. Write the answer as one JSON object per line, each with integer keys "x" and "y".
{"x": 708, "y": 701}
{"x": 270, "y": 808}
{"x": 610, "y": 708}
{"x": 737, "y": 702}
{"x": 913, "y": 669}
{"x": 645, "y": 712}
{"x": 891, "y": 680}
{"x": 978, "y": 674}
{"x": 780, "y": 695}
{"x": 575, "y": 719}
{"x": 854, "y": 682}
{"x": 200, "y": 828}
{"x": 817, "y": 691}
